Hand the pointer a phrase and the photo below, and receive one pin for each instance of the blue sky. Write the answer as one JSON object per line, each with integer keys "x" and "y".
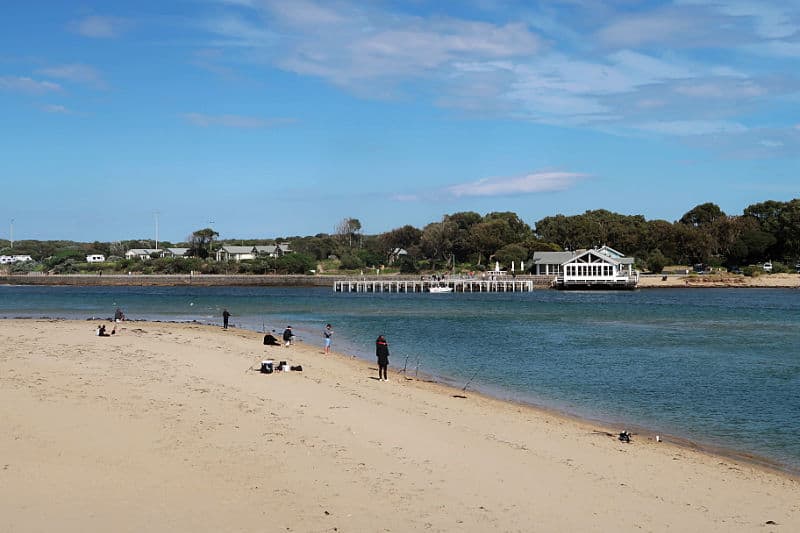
{"x": 270, "y": 118}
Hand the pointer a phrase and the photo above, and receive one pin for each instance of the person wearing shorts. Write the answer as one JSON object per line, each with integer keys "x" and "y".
{"x": 327, "y": 333}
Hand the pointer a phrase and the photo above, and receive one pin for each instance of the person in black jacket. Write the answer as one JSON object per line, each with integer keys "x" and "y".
{"x": 382, "y": 352}
{"x": 288, "y": 336}
{"x": 225, "y": 316}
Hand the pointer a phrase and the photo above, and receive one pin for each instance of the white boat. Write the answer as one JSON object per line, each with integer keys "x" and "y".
{"x": 440, "y": 288}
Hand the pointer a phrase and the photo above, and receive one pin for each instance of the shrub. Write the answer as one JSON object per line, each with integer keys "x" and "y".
{"x": 350, "y": 262}
{"x": 407, "y": 265}
{"x": 752, "y": 271}
{"x": 780, "y": 268}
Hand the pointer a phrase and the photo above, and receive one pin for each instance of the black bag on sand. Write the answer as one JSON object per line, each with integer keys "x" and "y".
{"x": 297, "y": 368}
{"x": 266, "y": 367}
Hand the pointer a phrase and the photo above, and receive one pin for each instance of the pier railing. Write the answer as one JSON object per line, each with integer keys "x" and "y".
{"x": 500, "y": 284}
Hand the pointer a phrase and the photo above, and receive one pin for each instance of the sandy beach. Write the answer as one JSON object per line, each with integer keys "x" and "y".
{"x": 766, "y": 281}
{"x": 168, "y": 427}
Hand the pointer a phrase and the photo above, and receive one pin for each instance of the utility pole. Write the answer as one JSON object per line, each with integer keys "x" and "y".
{"x": 11, "y": 233}
{"x": 211, "y": 238}
{"x": 156, "y": 215}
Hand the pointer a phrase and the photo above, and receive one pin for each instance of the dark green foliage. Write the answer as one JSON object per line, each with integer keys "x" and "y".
{"x": 407, "y": 265}
{"x": 351, "y": 262}
{"x": 705, "y": 234}
{"x": 295, "y": 263}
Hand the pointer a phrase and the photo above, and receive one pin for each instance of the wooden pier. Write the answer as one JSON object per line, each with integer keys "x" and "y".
{"x": 504, "y": 284}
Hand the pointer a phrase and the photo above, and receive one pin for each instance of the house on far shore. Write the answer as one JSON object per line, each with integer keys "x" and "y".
{"x": 95, "y": 258}
{"x": 602, "y": 268}
{"x": 396, "y": 254}
{"x": 175, "y": 252}
{"x": 141, "y": 253}
{"x": 273, "y": 250}
{"x": 8, "y": 259}
{"x": 236, "y": 253}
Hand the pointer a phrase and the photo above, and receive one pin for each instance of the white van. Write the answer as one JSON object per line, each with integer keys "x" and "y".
{"x": 767, "y": 266}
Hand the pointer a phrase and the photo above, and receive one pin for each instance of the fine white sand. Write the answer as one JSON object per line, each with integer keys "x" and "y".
{"x": 163, "y": 427}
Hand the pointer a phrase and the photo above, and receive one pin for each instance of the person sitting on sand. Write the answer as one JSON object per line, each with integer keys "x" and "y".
{"x": 382, "y": 352}
{"x": 119, "y": 315}
{"x": 271, "y": 340}
{"x": 101, "y": 331}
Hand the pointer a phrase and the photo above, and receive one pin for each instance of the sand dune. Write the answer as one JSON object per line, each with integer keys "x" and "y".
{"x": 164, "y": 427}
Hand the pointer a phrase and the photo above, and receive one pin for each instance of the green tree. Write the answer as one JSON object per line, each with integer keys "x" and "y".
{"x": 349, "y": 231}
{"x": 404, "y": 237}
{"x": 200, "y": 242}
{"x": 702, "y": 215}
{"x": 437, "y": 241}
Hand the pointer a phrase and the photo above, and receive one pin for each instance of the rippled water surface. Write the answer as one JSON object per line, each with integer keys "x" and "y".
{"x": 720, "y": 366}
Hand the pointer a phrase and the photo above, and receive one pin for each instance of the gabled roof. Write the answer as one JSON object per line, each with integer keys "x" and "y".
{"x": 596, "y": 253}
{"x": 609, "y": 251}
{"x": 178, "y": 251}
{"x": 552, "y": 258}
{"x": 141, "y": 251}
{"x": 237, "y": 249}
{"x": 265, "y": 249}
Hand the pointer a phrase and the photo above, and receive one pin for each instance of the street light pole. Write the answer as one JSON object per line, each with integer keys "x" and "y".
{"x": 210, "y": 238}
{"x": 11, "y": 233}
{"x": 156, "y": 215}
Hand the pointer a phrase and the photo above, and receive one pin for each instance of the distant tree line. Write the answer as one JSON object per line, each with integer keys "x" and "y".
{"x": 467, "y": 240}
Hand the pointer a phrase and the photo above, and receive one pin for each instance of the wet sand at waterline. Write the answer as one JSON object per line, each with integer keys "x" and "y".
{"x": 169, "y": 427}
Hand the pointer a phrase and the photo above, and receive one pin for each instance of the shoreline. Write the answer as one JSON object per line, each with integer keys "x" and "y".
{"x": 139, "y": 417}
{"x": 646, "y": 281}
{"x": 600, "y": 424}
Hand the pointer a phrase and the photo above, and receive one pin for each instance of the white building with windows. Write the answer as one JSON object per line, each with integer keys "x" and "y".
{"x": 141, "y": 253}
{"x": 236, "y": 253}
{"x": 595, "y": 268}
{"x": 175, "y": 252}
{"x": 273, "y": 250}
{"x": 9, "y": 259}
{"x": 95, "y": 258}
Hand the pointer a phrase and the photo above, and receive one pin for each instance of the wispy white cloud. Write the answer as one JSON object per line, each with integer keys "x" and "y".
{"x": 693, "y": 127}
{"x": 507, "y": 186}
{"x": 770, "y": 144}
{"x": 405, "y": 197}
{"x": 770, "y": 19}
{"x": 349, "y": 44}
{"x": 647, "y": 69}
{"x": 100, "y": 27}
{"x": 57, "y": 109}
{"x": 27, "y": 85}
{"x": 233, "y": 121}
{"x": 77, "y": 73}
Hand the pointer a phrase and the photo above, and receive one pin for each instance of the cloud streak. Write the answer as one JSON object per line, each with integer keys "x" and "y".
{"x": 28, "y": 85}
{"x": 658, "y": 68}
{"x": 100, "y": 27}
{"x": 232, "y": 121}
{"x": 536, "y": 182}
{"x": 76, "y": 73}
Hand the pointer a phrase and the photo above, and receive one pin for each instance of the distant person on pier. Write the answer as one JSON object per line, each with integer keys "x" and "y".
{"x": 382, "y": 353}
{"x": 225, "y": 316}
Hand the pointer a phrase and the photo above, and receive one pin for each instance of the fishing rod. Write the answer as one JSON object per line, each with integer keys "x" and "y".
{"x": 474, "y": 375}
{"x": 405, "y": 364}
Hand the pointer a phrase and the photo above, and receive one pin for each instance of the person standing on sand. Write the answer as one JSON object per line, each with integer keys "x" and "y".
{"x": 382, "y": 352}
{"x": 327, "y": 333}
{"x": 288, "y": 336}
{"x": 225, "y": 316}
